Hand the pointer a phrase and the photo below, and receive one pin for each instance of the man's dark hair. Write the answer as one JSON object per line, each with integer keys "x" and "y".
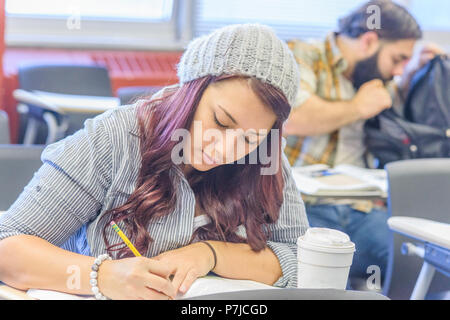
{"x": 396, "y": 22}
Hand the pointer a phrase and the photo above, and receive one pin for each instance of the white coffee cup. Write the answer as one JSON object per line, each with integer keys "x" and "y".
{"x": 324, "y": 258}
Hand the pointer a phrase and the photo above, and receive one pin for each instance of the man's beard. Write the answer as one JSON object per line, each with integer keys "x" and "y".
{"x": 367, "y": 70}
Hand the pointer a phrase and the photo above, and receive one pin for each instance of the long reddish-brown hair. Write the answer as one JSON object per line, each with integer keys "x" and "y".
{"x": 231, "y": 194}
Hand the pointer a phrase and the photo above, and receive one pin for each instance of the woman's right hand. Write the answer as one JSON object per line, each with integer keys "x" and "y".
{"x": 135, "y": 278}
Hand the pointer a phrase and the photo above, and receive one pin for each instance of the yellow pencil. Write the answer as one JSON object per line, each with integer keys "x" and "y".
{"x": 125, "y": 239}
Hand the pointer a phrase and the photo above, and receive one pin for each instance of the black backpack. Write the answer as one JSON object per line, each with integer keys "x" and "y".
{"x": 423, "y": 130}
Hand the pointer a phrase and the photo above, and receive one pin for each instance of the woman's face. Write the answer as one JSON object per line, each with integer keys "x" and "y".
{"x": 229, "y": 123}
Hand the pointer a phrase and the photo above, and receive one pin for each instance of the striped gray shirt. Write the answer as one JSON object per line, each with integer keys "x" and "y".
{"x": 96, "y": 169}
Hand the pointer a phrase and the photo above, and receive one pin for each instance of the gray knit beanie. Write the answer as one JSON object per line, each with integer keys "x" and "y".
{"x": 247, "y": 49}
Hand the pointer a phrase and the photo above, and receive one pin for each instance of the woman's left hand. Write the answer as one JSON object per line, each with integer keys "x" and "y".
{"x": 188, "y": 263}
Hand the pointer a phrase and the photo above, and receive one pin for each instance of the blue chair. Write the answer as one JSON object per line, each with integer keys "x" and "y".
{"x": 418, "y": 188}
{"x": 434, "y": 249}
{"x": 86, "y": 80}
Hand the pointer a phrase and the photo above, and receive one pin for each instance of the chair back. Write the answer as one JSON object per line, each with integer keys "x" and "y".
{"x": 86, "y": 80}
{"x": 4, "y": 128}
{"x": 18, "y": 163}
{"x": 292, "y": 294}
{"x": 417, "y": 188}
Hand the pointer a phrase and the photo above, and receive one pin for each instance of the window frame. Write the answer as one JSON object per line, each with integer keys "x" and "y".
{"x": 38, "y": 31}
{"x": 29, "y": 31}
{"x": 439, "y": 36}
{"x": 316, "y": 31}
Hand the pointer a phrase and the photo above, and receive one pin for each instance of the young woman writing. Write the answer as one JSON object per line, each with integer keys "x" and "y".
{"x": 167, "y": 170}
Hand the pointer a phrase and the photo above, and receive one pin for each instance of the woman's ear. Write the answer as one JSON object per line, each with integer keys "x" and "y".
{"x": 369, "y": 43}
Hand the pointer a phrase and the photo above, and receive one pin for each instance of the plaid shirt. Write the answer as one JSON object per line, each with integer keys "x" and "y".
{"x": 321, "y": 67}
{"x": 321, "y": 71}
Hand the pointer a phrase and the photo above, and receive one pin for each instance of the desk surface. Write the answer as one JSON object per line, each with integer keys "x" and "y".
{"x": 381, "y": 197}
{"x": 66, "y": 103}
{"x": 77, "y": 103}
{"x": 9, "y": 293}
{"x": 422, "y": 229}
{"x": 340, "y": 182}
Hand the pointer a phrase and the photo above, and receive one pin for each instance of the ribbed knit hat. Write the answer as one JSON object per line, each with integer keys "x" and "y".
{"x": 245, "y": 49}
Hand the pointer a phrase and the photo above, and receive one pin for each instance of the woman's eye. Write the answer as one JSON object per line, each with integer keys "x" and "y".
{"x": 218, "y": 123}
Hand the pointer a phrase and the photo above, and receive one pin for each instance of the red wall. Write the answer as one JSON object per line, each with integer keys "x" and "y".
{"x": 2, "y": 48}
{"x": 126, "y": 68}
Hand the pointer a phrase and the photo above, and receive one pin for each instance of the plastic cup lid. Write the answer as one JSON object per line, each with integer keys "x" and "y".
{"x": 325, "y": 239}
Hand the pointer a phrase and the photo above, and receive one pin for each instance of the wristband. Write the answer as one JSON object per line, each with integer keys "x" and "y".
{"x": 94, "y": 274}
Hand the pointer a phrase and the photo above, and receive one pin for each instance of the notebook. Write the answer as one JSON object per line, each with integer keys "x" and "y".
{"x": 202, "y": 286}
{"x": 340, "y": 181}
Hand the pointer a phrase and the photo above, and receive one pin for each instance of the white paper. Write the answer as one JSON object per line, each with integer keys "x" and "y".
{"x": 201, "y": 286}
{"x": 210, "y": 285}
{"x": 359, "y": 181}
{"x": 55, "y": 295}
{"x": 376, "y": 177}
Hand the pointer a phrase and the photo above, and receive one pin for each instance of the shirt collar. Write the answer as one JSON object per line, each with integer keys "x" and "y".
{"x": 338, "y": 61}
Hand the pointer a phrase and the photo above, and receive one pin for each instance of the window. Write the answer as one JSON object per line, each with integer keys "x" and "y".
{"x": 156, "y": 10}
{"x": 290, "y": 18}
{"x": 433, "y": 15}
{"x": 305, "y": 19}
{"x": 138, "y": 24}
{"x": 170, "y": 24}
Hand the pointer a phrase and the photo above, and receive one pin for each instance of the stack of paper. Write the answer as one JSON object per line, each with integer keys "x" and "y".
{"x": 340, "y": 181}
{"x": 210, "y": 285}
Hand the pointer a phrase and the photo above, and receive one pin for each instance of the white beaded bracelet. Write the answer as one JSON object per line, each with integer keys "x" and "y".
{"x": 94, "y": 274}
